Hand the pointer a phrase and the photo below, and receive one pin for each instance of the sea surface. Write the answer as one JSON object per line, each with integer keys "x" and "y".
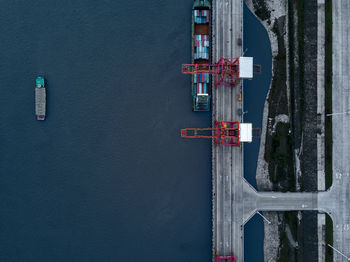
{"x": 106, "y": 177}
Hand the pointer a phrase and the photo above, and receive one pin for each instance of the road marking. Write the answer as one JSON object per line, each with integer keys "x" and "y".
{"x": 338, "y": 175}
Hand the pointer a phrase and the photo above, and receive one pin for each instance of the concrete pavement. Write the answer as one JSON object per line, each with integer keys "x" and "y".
{"x": 227, "y": 161}
{"x": 341, "y": 127}
{"x": 234, "y": 200}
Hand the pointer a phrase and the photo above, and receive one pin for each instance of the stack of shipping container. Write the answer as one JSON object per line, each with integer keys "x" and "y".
{"x": 201, "y": 82}
{"x": 201, "y": 16}
{"x": 200, "y": 55}
{"x": 201, "y": 43}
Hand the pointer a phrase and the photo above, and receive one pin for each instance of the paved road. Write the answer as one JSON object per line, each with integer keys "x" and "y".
{"x": 335, "y": 202}
{"x": 228, "y": 163}
{"x": 341, "y": 127}
{"x": 275, "y": 201}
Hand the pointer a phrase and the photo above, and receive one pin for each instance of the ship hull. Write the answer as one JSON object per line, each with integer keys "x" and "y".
{"x": 201, "y": 46}
{"x": 40, "y": 99}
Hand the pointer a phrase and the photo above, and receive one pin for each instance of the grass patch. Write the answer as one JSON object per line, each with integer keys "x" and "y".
{"x": 328, "y": 92}
{"x": 329, "y": 238}
{"x": 281, "y": 167}
{"x": 284, "y": 249}
{"x": 278, "y": 150}
{"x": 288, "y": 253}
{"x": 279, "y": 146}
{"x": 291, "y": 56}
{"x": 261, "y": 10}
{"x": 291, "y": 218}
{"x": 300, "y": 13}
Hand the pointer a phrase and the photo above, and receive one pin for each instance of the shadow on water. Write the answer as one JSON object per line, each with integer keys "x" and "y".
{"x": 256, "y": 43}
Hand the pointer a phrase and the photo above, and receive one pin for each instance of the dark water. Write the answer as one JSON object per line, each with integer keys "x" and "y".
{"x": 106, "y": 177}
{"x": 254, "y": 240}
{"x": 257, "y": 43}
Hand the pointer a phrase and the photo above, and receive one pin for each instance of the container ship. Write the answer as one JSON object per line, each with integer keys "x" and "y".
{"x": 40, "y": 98}
{"x": 200, "y": 54}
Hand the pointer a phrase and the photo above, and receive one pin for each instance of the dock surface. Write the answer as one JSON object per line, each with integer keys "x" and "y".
{"x": 234, "y": 200}
{"x": 341, "y": 127}
{"x": 227, "y": 160}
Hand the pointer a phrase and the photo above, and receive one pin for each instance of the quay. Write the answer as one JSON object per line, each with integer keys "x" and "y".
{"x": 227, "y": 166}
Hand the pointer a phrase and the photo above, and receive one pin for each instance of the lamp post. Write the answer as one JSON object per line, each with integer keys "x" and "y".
{"x": 340, "y": 113}
{"x": 336, "y": 250}
{"x": 268, "y": 221}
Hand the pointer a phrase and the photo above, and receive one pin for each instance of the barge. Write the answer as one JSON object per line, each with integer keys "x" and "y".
{"x": 40, "y": 98}
{"x": 200, "y": 54}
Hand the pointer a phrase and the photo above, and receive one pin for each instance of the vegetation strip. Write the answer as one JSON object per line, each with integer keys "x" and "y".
{"x": 300, "y": 13}
{"x": 328, "y": 120}
{"x": 328, "y": 93}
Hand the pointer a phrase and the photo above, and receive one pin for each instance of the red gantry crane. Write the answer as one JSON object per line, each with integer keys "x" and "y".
{"x": 226, "y": 71}
{"x": 224, "y": 133}
{"x": 230, "y": 258}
